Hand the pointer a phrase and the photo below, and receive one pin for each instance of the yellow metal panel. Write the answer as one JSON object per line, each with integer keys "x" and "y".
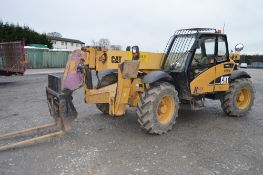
{"x": 91, "y": 53}
{"x": 200, "y": 84}
{"x": 114, "y": 58}
{"x": 148, "y": 60}
{"x": 97, "y": 98}
{"x": 136, "y": 87}
{"x": 122, "y": 96}
{"x": 221, "y": 71}
{"x": 102, "y": 95}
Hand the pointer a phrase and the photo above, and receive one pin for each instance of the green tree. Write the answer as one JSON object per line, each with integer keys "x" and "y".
{"x": 11, "y": 32}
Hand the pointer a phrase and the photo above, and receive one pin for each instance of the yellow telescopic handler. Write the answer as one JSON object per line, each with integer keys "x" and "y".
{"x": 196, "y": 65}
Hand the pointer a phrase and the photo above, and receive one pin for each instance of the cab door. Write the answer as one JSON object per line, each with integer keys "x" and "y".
{"x": 202, "y": 71}
{"x": 223, "y": 66}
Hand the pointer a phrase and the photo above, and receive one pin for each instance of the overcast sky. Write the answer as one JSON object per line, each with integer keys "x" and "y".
{"x": 146, "y": 23}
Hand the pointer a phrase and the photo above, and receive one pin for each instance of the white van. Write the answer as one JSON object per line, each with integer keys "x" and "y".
{"x": 243, "y": 65}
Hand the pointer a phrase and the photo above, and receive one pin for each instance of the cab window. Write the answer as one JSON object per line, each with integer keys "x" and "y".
{"x": 222, "y": 52}
{"x": 204, "y": 55}
{"x": 210, "y": 46}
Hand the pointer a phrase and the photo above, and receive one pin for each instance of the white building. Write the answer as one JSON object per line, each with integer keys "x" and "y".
{"x": 65, "y": 43}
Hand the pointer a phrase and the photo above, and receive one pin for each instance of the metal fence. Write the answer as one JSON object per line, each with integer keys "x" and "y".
{"x": 45, "y": 58}
{"x": 258, "y": 65}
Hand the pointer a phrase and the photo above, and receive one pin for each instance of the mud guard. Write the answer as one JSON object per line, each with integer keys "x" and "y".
{"x": 156, "y": 76}
{"x": 60, "y": 103}
{"x": 239, "y": 74}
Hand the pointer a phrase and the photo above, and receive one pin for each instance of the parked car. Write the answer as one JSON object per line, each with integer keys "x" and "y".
{"x": 243, "y": 65}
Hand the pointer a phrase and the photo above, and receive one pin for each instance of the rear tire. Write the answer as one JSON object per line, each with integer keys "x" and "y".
{"x": 239, "y": 99}
{"x": 105, "y": 81}
{"x": 158, "y": 108}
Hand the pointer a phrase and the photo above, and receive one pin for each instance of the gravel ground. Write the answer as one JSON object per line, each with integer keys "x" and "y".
{"x": 202, "y": 142}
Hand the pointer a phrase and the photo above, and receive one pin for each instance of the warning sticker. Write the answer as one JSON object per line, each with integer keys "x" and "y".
{"x": 144, "y": 57}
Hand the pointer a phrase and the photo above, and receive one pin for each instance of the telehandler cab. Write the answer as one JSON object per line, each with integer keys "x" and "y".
{"x": 195, "y": 65}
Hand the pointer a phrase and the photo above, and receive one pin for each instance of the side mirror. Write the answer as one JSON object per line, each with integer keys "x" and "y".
{"x": 239, "y": 47}
{"x": 135, "y": 53}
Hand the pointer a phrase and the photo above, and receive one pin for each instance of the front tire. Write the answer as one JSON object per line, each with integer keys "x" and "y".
{"x": 239, "y": 99}
{"x": 158, "y": 108}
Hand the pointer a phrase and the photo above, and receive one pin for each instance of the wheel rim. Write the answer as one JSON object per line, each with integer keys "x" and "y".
{"x": 243, "y": 98}
{"x": 165, "y": 109}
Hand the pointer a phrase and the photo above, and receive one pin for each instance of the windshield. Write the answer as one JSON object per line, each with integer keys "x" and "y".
{"x": 178, "y": 50}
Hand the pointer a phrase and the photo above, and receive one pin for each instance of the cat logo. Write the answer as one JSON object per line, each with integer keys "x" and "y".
{"x": 116, "y": 59}
{"x": 221, "y": 80}
{"x": 224, "y": 80}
